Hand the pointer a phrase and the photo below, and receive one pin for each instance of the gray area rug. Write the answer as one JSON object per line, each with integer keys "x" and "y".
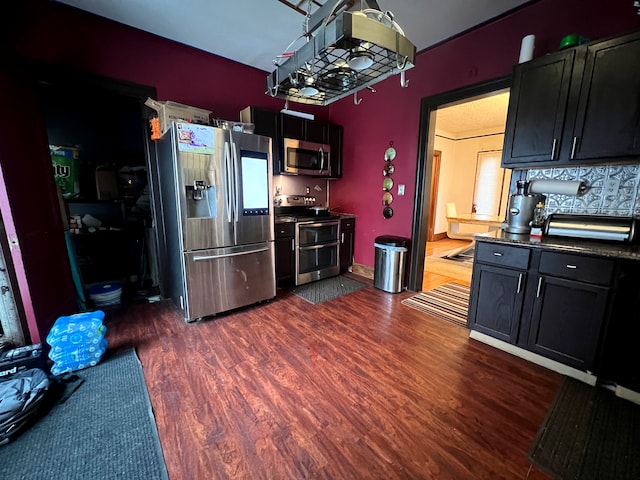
{"x": 588, "y": 434}
{"x": 327, "y": 289}
{"x": 104, "y": 430}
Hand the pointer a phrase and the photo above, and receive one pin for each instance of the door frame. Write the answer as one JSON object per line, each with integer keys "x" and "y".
{"x": 34, "y": 290}
{"x": 424, "y": 174}
{"x": 433, "y": 194}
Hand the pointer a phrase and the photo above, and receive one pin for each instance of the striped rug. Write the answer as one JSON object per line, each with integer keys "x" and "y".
{"x": 449, "y": 302}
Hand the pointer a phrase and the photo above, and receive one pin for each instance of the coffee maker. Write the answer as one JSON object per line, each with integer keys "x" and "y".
{"x": 521, "y": 207}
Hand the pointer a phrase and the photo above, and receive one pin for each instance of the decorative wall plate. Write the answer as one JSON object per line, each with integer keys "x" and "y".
{"x": 387, "y": 212}
{"x": 388, "y": 169}
{"x": 387, "y": 199}
{"x": 390, "y": 154}
{"x": 387, "y": 184}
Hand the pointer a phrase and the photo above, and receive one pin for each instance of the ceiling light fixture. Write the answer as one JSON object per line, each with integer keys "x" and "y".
{"x": 344, "y": 53}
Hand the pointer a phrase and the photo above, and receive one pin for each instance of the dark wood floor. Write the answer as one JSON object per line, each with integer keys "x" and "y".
{"x": 359, "y": 387}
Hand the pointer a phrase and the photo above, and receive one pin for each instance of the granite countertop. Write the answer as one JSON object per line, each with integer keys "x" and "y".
{"x": 564, "y": 244}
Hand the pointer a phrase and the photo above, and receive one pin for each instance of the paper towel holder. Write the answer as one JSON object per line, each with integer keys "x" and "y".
{"x": 581, "y": 188}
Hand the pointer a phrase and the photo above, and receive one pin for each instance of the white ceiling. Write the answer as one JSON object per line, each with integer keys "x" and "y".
{"x": 477, "y": 114}
{"x": 254, "y": 32}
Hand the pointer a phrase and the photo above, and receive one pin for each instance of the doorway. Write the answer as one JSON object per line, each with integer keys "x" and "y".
{"x": 99, "y": 147}
{"x": 426, "y": 195}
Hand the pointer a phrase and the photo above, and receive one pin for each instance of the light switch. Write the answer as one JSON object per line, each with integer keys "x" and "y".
{"x": 400, "y": 189}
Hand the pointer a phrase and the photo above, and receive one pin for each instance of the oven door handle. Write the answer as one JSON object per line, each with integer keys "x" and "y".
{"x": 303, "y": 225}
{"x": 316, "y": 247}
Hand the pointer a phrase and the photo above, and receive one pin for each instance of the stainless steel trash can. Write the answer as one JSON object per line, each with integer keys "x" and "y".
{"x": 390, "y": 263}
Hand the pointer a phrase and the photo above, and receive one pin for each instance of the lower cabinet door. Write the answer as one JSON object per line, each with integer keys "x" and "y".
{"x": 567, "y": 321}
{"x": 497, "y": 295}
{"x": 285, "y": 260}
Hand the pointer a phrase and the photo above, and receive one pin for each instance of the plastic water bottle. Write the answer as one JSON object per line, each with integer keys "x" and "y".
{"x": 77, "y": 341}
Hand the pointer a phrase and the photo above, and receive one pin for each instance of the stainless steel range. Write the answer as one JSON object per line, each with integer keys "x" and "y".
{"x": 317, "y": 237}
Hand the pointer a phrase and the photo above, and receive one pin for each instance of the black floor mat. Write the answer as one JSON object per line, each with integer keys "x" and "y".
{"x": 327, "y": 289}
{"x": 588, "y": 434}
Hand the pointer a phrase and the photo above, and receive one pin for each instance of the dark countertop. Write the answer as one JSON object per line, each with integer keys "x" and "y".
{"x": 569, "y": 245}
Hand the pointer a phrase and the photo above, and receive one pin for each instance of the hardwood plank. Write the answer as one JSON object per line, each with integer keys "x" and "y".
{"x": 357, "y": 387}
{"x": 438, "y": 271}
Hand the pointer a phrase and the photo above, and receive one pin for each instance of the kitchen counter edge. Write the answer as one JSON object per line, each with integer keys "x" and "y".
{"x": 618, "y": 250}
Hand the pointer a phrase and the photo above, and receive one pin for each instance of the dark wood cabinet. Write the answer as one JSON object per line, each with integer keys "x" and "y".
{"x": 567, "y": 321}
{"x": 497, "y": 298}
{"x": 607, "y": 119}
{"x": 334, "y": 138}
{"x": 570, "y": 307}
{"x": 316, "y": 132}
{"x": 619, "y": 354}
{"x": 537, "y": 107}
{"x": 347, "y": 237}
{"x": 302, "y": 129}
{"x": 577, "y": 106}
{"x": 551, "y": 303}
{"x": 285, "y": 251}
{"x": 278, "y": 126}
{"x": 293, "y": 127}
{"x": 266, "y": 122}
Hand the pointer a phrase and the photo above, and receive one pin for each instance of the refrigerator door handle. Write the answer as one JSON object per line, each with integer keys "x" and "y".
{"x": 224, "y": 255}
{"x": 227, "y": 187}
{"x": 236, "y": 167}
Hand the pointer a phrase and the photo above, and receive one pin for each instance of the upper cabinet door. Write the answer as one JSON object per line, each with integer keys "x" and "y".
{"x": 537, "y": 107}
{"x": 576, "y": 107}
{"x": 607, "y": 122}
{"x": 334, "y": 137}
{"x": 292, "y": 127}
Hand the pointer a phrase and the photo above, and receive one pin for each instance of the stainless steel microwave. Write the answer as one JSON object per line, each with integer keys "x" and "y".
{"x": 306, "y": 158}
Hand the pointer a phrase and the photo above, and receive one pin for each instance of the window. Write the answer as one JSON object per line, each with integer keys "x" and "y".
{"x": 491, "y": 184}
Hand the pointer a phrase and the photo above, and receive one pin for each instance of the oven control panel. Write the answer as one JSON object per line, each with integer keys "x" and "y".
{"x": 295, "y": 201}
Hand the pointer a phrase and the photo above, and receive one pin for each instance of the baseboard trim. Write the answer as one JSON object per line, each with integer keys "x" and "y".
{"x": 362, "y": 270}
{"x": 535, "y": 358}
{"x": 628, "y": 394}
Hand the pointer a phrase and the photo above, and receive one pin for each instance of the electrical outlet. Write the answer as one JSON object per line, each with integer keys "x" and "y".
{"x": 611, "y": 187}
{"x": 400, "y": 190}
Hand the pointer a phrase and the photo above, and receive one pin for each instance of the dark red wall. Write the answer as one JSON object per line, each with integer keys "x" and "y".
{"x": 55, "y": 33}
{"x": 393, "y": 113}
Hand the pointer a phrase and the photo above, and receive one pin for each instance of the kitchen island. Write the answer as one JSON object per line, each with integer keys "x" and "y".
{"x": 568, "y": 304}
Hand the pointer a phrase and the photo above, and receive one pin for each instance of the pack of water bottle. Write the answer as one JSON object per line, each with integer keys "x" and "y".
{"x": 77, "y": 341}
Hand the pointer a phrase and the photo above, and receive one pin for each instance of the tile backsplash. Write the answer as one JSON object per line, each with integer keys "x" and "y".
{"x": 611, "y": 190}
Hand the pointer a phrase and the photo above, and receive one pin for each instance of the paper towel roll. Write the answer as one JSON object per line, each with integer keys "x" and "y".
{"x": 563, "y": 187}
{"x": 526, "y": 48}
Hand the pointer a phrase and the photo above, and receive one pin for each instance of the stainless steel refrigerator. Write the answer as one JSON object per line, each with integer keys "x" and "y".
{"x": 215, "y": 218}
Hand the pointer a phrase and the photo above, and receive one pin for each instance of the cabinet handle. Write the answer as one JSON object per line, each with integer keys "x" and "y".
{"x": 497, "y": 254}
{"x": 571, "y": 266}
{"x": 553, "y": 149}
{"x": 342, "y": 237}
{"x": 293, "y": 244}
{"x": 519, "y": 282}
{"x": 573, "y": 146}
{"x": 539, "y": 285}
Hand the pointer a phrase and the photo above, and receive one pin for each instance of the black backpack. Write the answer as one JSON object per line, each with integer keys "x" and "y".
{"x": 24, "y": 397}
